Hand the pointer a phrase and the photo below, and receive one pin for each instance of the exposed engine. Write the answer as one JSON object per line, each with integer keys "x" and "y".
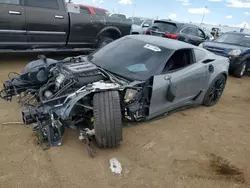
{"x": 58, "y": 94}
{"x": 68, "y": 77}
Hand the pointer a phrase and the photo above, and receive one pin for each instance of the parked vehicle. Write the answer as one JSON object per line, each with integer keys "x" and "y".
{"x": 48, "y": 26}
{"x": 135, "y": 78}
{"x": 180, "y": 31}
{"x": 140, "y": 25}
{"x": 235, "y": 46}
{"x": 120, "y": 16}
{"x": 216, "y": 32}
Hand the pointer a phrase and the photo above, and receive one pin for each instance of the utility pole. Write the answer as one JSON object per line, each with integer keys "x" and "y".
{"x": 203, "y": 14}
{"x": 134, "y": 9}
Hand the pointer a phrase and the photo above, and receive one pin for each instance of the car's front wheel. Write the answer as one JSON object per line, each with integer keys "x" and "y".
{"x": 107, "y": 119}
{"x": 215, "y": 91}
{"x": 240, "y": 71}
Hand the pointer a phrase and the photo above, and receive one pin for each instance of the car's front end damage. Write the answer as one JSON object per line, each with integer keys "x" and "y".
{"x": 59, "y": 94}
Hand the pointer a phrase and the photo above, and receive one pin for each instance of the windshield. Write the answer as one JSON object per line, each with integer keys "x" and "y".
{"x": 131, "y": 58}
{"x": 165, "y": 27}
{"x": 137, "y": 21}
{"x": 235, "y": 39}
{"x": 100, "y": 12}
{"x": 118, "y": 16}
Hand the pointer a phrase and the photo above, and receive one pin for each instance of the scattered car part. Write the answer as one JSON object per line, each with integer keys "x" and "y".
{"x": 115, "y": 166}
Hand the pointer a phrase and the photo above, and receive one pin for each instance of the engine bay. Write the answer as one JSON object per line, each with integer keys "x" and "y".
{"x": 59, "y": 94}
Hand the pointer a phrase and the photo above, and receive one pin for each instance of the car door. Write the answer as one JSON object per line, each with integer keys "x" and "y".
{"x": 46, "y": 23}
{"x": 12, "y": 24}
{"x": 193, "y": 35}
{"x": 201, "y": 36}
{"x": 189, "y": 82}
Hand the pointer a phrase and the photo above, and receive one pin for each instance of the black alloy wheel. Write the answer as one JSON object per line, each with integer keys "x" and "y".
{"x": 215, "y": 91}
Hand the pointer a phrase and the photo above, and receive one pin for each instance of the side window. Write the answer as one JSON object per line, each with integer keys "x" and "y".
{"x": 193, "y": 31}
{"x": 185, "y": 30}
{"x": 199, "y": 55}
{"x": 149, "y": 22}
{"x": 179, "y": 60}
{"x": 50, "y": 4}
{"x": 15, "y": 2}
{"x": 99, "y": 12}
{"x": 84, "y": 10}
{"x": 201, "y": 33}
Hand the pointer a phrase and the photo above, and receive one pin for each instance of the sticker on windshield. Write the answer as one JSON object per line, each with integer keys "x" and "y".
{"x": 152, "y": 47}
{"x": 247, "y": 36}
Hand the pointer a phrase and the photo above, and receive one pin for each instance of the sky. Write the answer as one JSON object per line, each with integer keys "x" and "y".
{"x": 224, "y": 12}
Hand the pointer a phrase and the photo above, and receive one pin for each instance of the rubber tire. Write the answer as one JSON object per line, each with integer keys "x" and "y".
{"x": 103, "y": 41}
{"x": 107, "y": 119}
{"x": 237, "y": 72}
{"x": 206, "y": 102}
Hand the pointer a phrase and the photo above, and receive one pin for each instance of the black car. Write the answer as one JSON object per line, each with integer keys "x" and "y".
{"x": 181, "y": 31}
{"x": 235, "y": 46}
{"x": 48, "y": 25}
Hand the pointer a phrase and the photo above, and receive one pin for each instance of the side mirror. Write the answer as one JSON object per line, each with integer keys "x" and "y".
{"x": 145, "y": 25}
{"x": 171, "y": 91}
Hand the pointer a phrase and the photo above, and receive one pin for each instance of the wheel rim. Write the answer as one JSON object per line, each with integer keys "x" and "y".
{"x": 217, "y": 90}
{"x": 243, "y": 70}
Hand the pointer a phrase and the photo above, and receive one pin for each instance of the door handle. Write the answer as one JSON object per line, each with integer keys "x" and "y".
{"x": 15, "y": 12}
{"x": 59, "y": 17}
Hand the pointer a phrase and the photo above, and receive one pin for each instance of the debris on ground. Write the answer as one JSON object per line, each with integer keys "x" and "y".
{"x": 115, "y": 166}
{"x": 224, "y": 168}
{"x": 148, "y": 145}
{"x": 12, "y": 123}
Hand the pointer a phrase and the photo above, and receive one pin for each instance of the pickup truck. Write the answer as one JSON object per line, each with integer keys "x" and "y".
{"x": 47, "y": 25}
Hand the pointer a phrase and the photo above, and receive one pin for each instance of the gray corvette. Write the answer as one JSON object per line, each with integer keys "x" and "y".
{"x": 135, "y": 78}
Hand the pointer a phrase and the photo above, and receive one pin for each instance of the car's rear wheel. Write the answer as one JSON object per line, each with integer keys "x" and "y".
{"x": 215, "y": 91}
{"x": 107, "y": 119}
{"x": 240, "y": 71}
{"x": 103, "y": 41}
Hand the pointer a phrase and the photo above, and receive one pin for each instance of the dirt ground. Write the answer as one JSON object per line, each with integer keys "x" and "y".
{"x": 196, "y": 148}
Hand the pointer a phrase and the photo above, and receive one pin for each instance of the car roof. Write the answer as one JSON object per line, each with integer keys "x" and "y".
{"x": 179, "y": 24}
{"x": 160, "y": 41}
{"x": 144, "y": 18}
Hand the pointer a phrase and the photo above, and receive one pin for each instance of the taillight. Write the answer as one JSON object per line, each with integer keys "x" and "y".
{"x": 171, "y": 36}
{"x": 148, "y": 32}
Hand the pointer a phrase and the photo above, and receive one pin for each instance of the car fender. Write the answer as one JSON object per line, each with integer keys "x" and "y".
{"x": 109, "y": 29}
{"x": 220, "y": 66}
{"x": 246, "y": 55}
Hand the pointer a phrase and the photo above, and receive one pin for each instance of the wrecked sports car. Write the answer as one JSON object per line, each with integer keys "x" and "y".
{"x": 135, "y": 78}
